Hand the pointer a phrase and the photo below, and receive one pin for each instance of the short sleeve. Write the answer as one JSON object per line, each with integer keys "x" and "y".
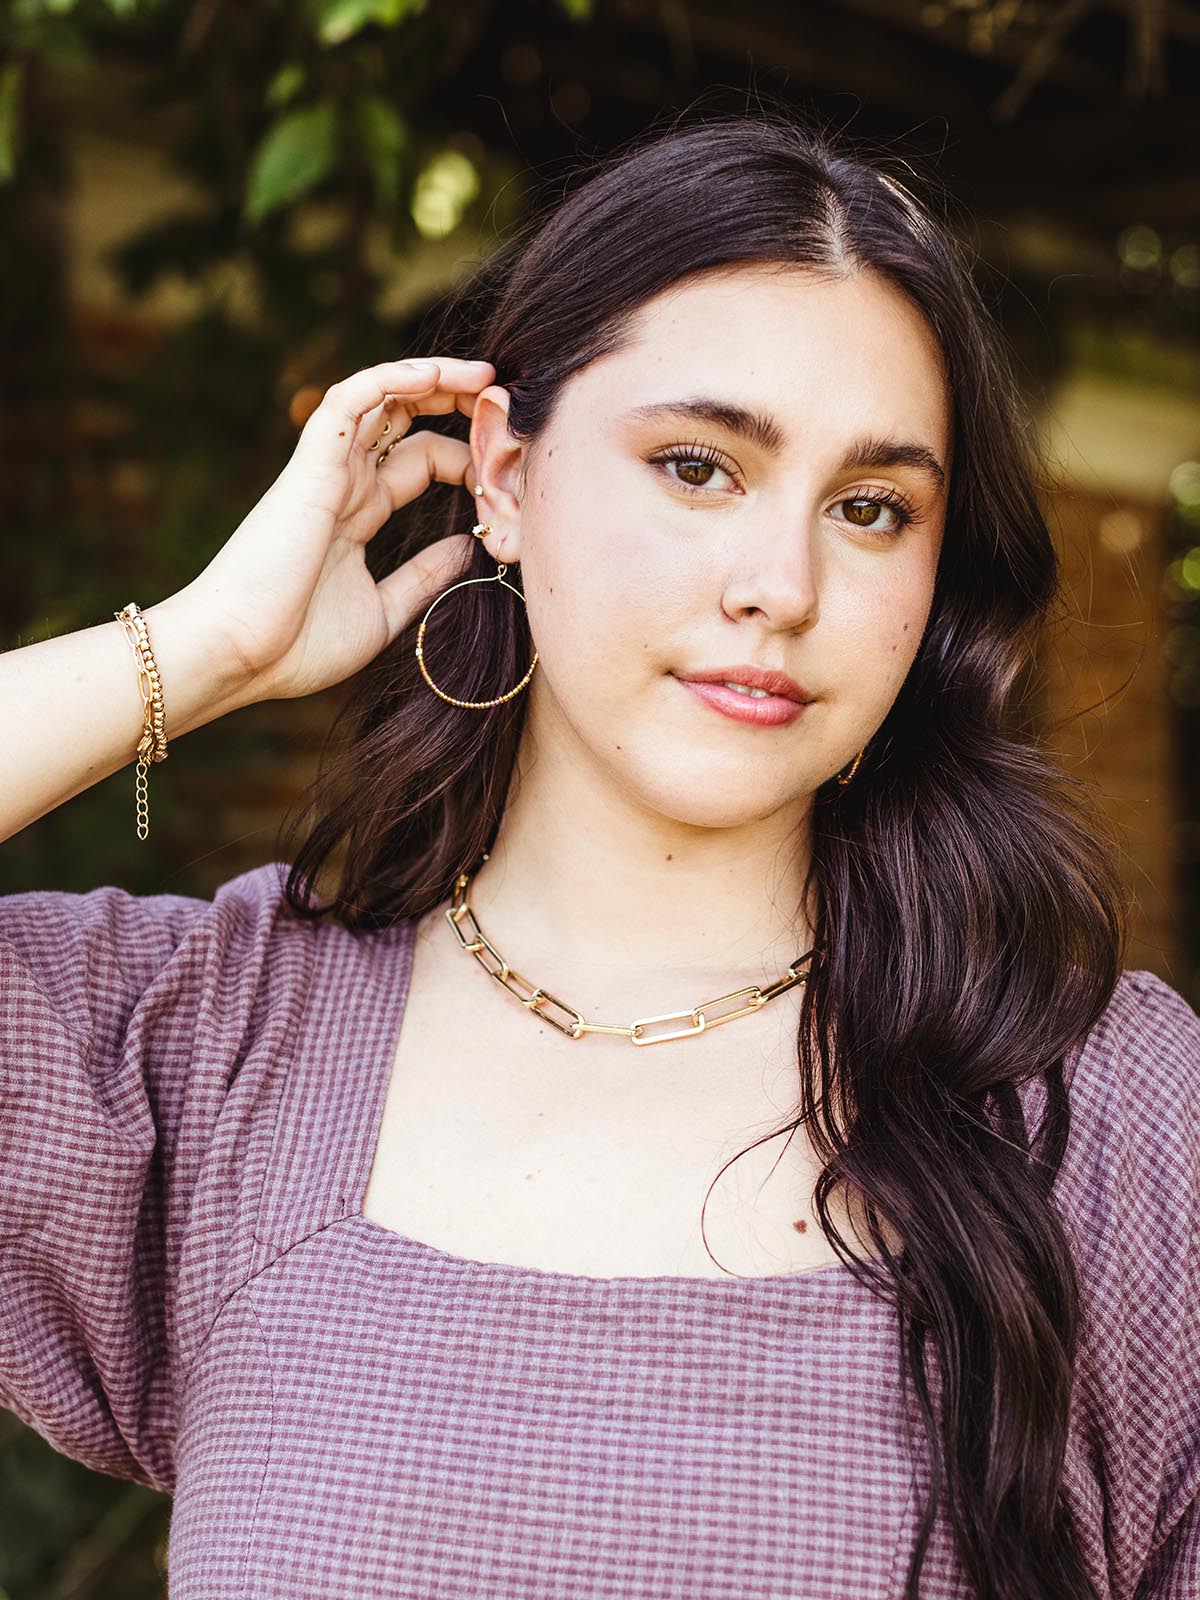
{"x": 1134, "y": 1198}
{"x": 124, "y": 1023}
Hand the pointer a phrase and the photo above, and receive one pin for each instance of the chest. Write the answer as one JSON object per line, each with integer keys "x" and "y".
{"x": 503, "y": 1140}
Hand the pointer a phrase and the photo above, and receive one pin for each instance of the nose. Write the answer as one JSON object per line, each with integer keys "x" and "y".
{"x": 774, "y": 577}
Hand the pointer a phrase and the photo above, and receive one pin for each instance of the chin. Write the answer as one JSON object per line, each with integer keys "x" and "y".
{"x": 712, "y": 798}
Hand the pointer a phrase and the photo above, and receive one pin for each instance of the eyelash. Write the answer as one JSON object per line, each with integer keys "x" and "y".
{"x": 905, "y": 512}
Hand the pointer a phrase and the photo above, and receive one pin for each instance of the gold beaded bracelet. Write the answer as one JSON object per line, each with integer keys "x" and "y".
{"x": 152, "y": 746}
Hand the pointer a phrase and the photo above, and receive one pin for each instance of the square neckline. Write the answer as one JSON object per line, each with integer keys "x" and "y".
{"x": 388, "y": 985}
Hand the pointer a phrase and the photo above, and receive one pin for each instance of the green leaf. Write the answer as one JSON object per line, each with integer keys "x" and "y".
{"x": 384, "y": 136}
{"x": 294, "y": 155}
{"x": 11, "y": 83}
{"x": 337, "y": 20}
{"x": 286, "y": 83}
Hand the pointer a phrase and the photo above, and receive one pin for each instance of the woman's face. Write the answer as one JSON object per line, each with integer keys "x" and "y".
{"x": 752, "y": 480}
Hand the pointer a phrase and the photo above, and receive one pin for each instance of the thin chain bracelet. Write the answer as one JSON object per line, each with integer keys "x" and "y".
{"x": 536, "y": 999}
{"x": 152, "y": 746}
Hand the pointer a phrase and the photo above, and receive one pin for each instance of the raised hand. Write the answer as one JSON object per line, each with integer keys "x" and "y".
{"x": 290, "y": 593}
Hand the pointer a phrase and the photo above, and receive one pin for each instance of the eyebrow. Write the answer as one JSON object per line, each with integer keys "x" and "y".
{"x": 761, "y": 429}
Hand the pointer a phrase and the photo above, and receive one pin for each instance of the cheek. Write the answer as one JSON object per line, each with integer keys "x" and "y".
{"x": 599, "y": 606}
{"x": 898, "y": 640}
{"x": 886, "y": 633}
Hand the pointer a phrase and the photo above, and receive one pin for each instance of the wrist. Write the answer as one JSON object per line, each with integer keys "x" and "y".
{"x": 202, "y": 676}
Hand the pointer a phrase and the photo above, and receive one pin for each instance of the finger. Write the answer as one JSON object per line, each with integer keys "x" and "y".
{"x": 396, "y": 412}
{"x": 442, "y": 398}
{"x": 333, "y": 429}
{"x": 391, "y": 417}
{"x": 412, "y": 586}
{"x": 408, "y": 380}
{"x": 418, "y": 460}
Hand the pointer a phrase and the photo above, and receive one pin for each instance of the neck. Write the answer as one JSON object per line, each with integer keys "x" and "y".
{"x": 582, "y": 885}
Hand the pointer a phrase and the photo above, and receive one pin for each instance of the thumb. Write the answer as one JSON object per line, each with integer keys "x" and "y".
{"x": 411, "y": 587}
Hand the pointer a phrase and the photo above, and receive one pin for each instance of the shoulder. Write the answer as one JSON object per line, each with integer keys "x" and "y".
{"x": 28, "y": 918}
{"x": 1129, "y": 1192}
{"x": 1146, "y": 1013}
{"x": 88, "y": 958}
{"x": 1129, "y": 1182}
{"x": 1142, "y": 1056}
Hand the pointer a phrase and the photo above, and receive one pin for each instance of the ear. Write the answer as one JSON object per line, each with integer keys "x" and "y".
{"x": 497, "y": 459}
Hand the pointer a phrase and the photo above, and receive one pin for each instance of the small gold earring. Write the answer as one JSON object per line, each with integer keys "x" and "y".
{"x": 853, "y": 768}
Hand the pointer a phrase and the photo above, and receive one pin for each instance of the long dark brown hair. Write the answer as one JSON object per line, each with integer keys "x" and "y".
{"x": 965, "y": 888}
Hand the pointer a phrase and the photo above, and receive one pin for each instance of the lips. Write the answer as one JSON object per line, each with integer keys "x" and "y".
{"x": 774, "y": 683}
{"x": 762, "y": 711}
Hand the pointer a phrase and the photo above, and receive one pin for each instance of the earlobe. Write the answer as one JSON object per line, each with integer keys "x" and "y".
{"x": 485, "y": 531}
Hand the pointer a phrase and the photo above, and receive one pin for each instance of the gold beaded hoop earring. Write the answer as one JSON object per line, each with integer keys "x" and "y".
{"x": 480, "y": 530}
{"x": 853, "y": 768}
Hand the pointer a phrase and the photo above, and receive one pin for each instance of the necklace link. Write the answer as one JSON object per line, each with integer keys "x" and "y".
{"x": 696, "y": 1025}
{"x": 757, "y": 1000}
{"x": 542, "y": 998}
{"x": 793, "y": 976}
{"x": 536, "y": 999}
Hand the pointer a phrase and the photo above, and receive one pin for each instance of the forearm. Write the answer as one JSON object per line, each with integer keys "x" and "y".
{"x": 71, "y": 709}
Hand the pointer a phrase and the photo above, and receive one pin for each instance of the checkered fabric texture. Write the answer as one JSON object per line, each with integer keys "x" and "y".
{"x": 190, "y": 1297}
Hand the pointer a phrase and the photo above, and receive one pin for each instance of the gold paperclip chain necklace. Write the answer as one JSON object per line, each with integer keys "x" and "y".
{"x": 537, "y": 1000}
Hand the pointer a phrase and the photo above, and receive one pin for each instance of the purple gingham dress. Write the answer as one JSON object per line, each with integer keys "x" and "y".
{"x": 190, "y": 1297}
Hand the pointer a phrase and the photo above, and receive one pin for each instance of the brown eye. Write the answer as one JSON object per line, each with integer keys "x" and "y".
{"x": 863, "y": 513}
{"x": 691, "y": 467}
{"x": 884, "y": 514}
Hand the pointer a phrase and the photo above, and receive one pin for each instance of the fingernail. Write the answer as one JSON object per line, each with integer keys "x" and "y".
{"x": 424, "y": 367}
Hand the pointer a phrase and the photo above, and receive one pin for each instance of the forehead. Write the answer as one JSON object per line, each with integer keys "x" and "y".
{"x": 821, "y": 353}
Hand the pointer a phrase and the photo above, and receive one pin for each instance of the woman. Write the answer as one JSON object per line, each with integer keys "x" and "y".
{"x": 428, "y": 1309}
